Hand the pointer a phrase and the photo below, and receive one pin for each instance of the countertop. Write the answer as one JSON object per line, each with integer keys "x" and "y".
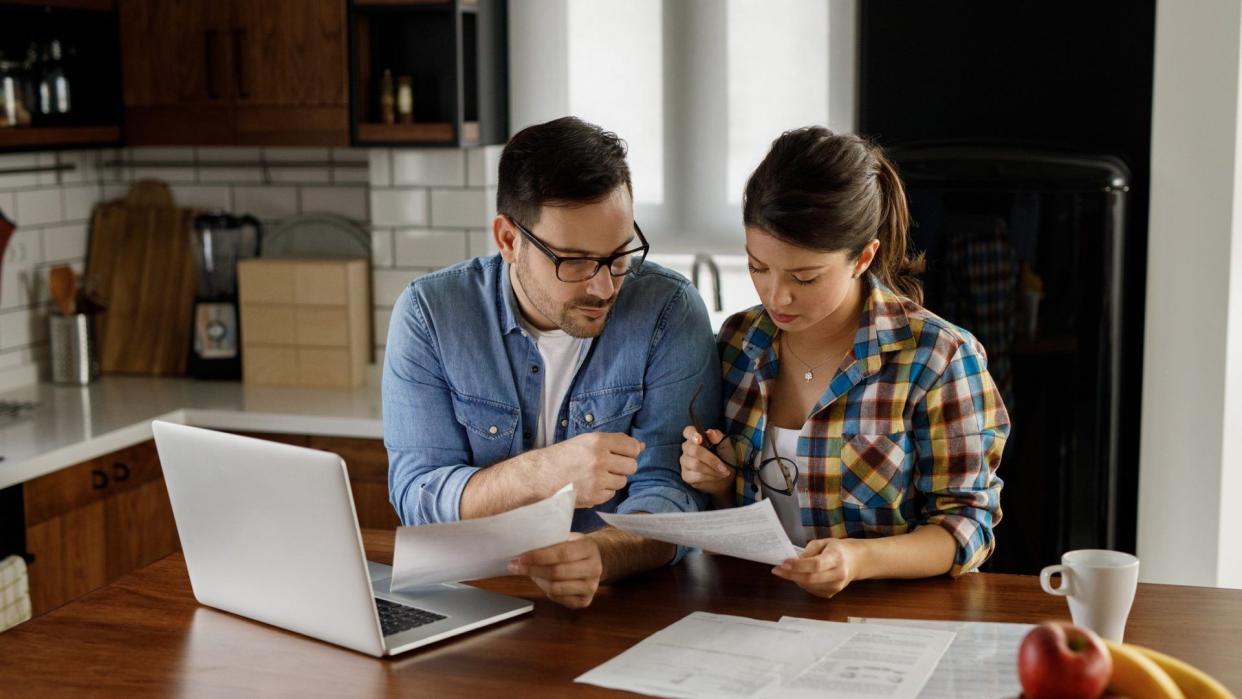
{"x": 71, "y": 424}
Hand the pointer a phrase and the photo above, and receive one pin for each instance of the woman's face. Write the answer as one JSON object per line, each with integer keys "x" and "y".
{"x": 801, "y": 287}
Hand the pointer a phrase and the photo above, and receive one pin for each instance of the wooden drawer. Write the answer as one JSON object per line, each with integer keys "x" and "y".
{"x": 320, "y": 284}
{"x": 265, "y": 281}
{"x": 328, "y": 368}
{"x": 80, "y": 485}
{"x": 322, "y": 326}
{"x": 273, "y": 366}
{"x": 267, "y": 324}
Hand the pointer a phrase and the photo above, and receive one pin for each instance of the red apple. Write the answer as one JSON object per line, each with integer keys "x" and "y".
{"x": 1062, "y": 661}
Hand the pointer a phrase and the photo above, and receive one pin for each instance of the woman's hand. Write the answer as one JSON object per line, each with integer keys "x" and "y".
{"x": 701, "y": 469}
{"x": 825, "y": 568}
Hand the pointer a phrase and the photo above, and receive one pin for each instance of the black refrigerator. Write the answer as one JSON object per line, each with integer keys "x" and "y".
{"x": 1024, "y": 248}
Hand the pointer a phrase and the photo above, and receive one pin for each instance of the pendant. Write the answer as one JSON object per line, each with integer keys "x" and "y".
{"x": 808, "y": 376}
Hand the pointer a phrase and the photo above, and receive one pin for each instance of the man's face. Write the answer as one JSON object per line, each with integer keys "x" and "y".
{"x": 598, "y": 230}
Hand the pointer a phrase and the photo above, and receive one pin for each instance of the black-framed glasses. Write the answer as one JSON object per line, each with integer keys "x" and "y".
{"x": 777, "y": 473}
{"x": 582, "y": 268}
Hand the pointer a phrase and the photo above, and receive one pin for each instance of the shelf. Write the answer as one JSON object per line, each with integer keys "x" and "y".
{"x": 28, "y": 137}
{"x": 437, "y": 132}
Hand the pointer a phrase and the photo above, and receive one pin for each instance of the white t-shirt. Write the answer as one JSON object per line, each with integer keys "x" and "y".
{"x": 788, "y": 507}
{"x": 562, "y": 355}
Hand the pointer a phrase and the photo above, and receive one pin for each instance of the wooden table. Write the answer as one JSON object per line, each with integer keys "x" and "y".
{"x": 145, "y": 634}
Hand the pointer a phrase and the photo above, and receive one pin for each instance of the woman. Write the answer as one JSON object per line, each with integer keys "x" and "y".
{"x": 871, "y": 423}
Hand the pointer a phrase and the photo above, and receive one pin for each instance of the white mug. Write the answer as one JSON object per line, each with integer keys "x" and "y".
{"x": 1100, "y": 587}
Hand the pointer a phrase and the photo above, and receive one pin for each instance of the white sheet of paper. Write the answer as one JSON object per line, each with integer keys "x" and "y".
{"x": 715, "y": 655}
{"x": 982, "y": 662}
{"x": 753, "y": 533}
{"x": 882, "y": 661}
{"x": 478, "y": 548}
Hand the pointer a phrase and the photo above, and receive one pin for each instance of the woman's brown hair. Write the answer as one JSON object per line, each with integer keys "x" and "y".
{"x": 827, "y": 191}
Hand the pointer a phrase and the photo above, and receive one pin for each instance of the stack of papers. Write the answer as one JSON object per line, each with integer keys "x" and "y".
{"x": 981, "y": 663}
{"x": 714, "y": 655}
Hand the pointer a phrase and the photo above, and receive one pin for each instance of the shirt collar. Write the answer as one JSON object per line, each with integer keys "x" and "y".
{"x": 508, "y": 302}
{"x": 883, "y": 327}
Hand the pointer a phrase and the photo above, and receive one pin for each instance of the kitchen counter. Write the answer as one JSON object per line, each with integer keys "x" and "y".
{"x": 72, "y": 424}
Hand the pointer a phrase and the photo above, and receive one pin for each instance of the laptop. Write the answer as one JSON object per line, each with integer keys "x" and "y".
{"x": 269, "y": 532}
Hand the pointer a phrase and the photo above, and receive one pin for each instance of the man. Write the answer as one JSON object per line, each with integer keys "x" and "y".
{"x": 564, "y": 359}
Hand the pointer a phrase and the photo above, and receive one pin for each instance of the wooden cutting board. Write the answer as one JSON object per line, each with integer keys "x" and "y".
{"x": 140, "y": 268}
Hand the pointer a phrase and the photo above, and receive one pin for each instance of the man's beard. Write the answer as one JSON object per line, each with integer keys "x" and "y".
{"x": 562, "y": 316}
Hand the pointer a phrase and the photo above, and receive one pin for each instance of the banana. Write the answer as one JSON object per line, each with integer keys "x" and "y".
{"x": 1137, "y": 676}
{"x": 1193, "y": 682}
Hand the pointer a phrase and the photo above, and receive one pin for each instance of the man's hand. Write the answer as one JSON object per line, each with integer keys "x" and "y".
{"x": 568, "y": 573}
{"x": 598, "y": 465}
{"x": 825, "y": 568}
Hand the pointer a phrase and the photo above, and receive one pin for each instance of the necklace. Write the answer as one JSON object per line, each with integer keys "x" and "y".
{"x": 810, "y": 370}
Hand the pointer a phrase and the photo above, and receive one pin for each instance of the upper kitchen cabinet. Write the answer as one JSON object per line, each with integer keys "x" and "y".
{"x": 429, "y": 73}
{"x": 59, "y": 74}
{"x": 214, "y": 72}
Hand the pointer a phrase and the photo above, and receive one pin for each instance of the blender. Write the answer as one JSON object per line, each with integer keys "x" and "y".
{"x": 219, "y": 240}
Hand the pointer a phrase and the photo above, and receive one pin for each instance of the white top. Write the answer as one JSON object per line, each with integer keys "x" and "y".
{"x": 562, "y": 355}
{"x": 788, "y": 507}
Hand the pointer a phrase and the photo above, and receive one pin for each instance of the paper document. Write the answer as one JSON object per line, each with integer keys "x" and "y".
{"x": 753, "y": 532}
{"x": 715, "y": 655}
{"x": 982, "y": 661}
{"x": 478, "y": 548}
{"x": 879, "y": 661}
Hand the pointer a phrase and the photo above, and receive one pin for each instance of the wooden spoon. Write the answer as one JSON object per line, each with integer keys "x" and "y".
{"x": 64, "y": 285}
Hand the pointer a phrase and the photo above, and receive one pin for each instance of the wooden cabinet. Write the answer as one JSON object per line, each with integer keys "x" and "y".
{"x": 89, "y": 524}
{"x": 218, "y": 72}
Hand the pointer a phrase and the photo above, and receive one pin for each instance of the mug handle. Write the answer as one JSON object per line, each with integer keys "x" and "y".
{"x": 1045, "y": 580}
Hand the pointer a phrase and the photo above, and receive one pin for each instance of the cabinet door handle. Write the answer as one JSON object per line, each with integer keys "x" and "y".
{"x": 120, "y": 471}
{"x": 209, "y": 43}
{"x": 239, "y": 62}
{"x": 99, "y": 479}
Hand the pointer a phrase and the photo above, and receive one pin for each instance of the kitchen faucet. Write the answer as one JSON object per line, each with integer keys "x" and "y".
{"x": 701, "y": 259}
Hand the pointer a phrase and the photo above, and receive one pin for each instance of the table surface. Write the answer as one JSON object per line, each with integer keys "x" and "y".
{"x": 146, "y": 635}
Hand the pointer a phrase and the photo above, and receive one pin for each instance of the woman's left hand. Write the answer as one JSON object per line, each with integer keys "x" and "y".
{"x": 824, "y": 568}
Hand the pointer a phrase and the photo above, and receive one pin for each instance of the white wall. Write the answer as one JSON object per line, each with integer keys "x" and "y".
{"x": 1190, "y": 475}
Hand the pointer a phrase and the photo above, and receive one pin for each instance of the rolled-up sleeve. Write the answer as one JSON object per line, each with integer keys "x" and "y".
{"x": 683, "y": 356}
{"x": 961, "y": 435}
{"x": 428, "y": 450}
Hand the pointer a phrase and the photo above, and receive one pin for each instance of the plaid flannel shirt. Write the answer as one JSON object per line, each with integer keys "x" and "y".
{"x": 908, "y": 433}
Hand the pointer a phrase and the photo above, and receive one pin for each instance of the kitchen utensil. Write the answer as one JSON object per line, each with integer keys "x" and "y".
{"x": 139, "y": 269}
{"x": 220, "y": 241}
{"x": 63, "y": 283}
{"x": 316, "y": 235}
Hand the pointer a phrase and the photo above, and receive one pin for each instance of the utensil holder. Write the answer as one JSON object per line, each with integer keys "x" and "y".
{"x": 73, "y": 351}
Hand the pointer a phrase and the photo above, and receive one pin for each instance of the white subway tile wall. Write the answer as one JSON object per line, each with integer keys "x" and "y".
{"x": 52, "y": 211}
{"x": 430, "y": 208}
{"x": 426, "y": 209}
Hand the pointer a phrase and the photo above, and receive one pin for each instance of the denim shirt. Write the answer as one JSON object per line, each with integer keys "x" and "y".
{"x": 462, "y": 383}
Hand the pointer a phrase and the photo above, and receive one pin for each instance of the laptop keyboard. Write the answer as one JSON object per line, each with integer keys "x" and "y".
{"x": 395, "y": 618}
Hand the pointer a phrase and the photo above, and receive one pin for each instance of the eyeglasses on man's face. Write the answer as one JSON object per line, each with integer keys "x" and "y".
{"x": 574, "y": 269}
{"x": 777, "y": 473}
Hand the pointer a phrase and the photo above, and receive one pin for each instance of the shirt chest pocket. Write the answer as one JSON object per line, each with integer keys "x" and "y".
{"x": 876, "y": 469}
{"x": 489, "y": 425}
{"x": 605, "y": 410}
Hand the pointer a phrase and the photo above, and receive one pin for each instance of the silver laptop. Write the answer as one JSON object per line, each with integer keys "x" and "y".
{"x": 269, "y": 532}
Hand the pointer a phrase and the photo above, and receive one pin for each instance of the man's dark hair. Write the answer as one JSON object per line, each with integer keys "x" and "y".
{"x": 563, "y": 162}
